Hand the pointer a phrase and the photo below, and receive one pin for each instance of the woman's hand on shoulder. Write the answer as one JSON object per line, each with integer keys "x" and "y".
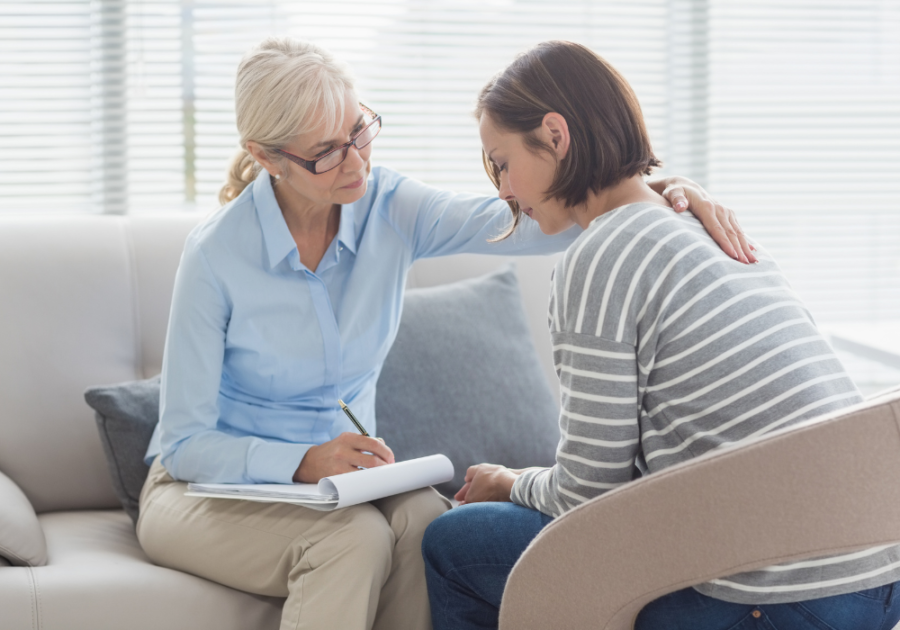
{"x": 487, "y": 482}
{"x": 345, "y": 453}
{"x": 719, "y": 221}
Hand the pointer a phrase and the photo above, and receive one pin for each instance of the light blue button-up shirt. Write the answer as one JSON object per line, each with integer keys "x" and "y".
{"x": 259, "y": 348}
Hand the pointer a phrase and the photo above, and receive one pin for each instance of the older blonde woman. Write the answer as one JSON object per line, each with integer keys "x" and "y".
{"x": 286, "y": 300}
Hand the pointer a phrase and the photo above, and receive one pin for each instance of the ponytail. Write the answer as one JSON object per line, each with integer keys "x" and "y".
{"x": 241, "y": 173}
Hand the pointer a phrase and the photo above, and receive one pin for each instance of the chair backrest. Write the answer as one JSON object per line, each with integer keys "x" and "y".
{"x": 823, "y": 487}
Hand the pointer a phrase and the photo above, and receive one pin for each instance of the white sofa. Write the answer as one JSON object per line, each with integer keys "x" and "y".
{"x": 84, "y": 301}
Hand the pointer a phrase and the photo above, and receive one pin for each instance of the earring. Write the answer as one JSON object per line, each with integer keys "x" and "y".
{"x": 278, "y": 177}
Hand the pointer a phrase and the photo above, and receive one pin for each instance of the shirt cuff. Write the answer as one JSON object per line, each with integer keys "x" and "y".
{"x": 521, "y": 490}
{"x": 274, "y": 462}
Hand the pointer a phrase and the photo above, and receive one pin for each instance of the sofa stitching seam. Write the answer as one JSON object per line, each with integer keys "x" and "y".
{"x": 35, "y": 617}
{"x": 40, "y": 603}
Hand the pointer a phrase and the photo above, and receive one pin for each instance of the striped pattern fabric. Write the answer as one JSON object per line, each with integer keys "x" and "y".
{"x": 666, "y": 349}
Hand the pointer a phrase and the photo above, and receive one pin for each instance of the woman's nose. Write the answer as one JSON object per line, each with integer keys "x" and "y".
{"x": 504, "y": 192}
{"x": 354, "y": 161}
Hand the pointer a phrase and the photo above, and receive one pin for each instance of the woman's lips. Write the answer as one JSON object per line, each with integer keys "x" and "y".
{"x": 356, "y": 184}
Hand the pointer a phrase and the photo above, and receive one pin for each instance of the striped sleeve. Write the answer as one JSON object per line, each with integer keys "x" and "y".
{"x": 599, "y": 432}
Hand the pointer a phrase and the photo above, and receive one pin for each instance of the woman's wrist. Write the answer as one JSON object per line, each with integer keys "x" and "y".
{"x": 303, "y": 474}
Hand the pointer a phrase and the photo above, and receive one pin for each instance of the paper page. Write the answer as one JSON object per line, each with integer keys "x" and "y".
{"x": 286, "y": 491}
{"x": 318, "y": 504}
{"x": 383, "y": 481}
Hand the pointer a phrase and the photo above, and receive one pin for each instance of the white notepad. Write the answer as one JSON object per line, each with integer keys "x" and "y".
{"x": 337, "y": 491}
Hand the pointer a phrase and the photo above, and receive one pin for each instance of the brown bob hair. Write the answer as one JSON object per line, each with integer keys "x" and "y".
{"x": 609, "y": 141}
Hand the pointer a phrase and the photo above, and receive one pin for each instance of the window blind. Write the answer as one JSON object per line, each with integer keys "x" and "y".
{"x": 804, "y": 141}
{"x": 45, "y": 106}
{"x": 788, "y": 111}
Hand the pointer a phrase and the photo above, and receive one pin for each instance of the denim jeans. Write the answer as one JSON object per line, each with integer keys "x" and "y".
{"x": 470, "y": 551}
{"x": 873, "y": 609}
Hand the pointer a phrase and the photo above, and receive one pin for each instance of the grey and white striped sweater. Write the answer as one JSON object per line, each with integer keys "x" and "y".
{"x": 666, "y": 349}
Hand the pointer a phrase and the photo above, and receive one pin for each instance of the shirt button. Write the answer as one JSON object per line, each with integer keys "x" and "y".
{"x": 340, "y": 249}
{"x": 756, "y": 614}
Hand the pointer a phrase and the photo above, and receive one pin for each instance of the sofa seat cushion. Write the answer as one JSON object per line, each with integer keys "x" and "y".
{"x": 98, "y": 578}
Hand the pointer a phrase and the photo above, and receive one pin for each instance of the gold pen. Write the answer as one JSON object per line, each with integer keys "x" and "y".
{"x": 359, "y": 426}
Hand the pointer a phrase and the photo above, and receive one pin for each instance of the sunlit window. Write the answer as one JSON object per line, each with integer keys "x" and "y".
{"x": 787, "y": 111}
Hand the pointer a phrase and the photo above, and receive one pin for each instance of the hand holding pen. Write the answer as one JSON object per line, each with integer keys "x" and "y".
{"x": 347, "y": 452}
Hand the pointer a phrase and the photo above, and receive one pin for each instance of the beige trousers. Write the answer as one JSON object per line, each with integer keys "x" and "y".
{"x": 355, "y": 568}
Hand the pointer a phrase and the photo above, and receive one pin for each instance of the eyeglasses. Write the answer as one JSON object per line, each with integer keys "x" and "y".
{"x": 335, "y": 157}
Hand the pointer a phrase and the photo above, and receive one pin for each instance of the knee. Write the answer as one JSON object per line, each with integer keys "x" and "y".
{"x": 366, "y": 534}
{"x": 416, "y": 512}
{"x": 455, "y": 535}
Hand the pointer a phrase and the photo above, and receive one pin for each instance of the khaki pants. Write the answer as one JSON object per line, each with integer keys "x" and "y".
{"x": 356, "y": 568}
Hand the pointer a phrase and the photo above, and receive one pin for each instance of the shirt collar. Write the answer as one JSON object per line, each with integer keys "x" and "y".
{"x": 277, "y": 236}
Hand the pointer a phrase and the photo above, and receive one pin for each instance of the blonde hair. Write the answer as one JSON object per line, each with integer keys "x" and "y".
{"x": 285, "y": 87}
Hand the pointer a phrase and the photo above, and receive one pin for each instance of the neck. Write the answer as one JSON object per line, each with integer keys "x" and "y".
{"x": 313, "y": 226}
{"x": 631, "y": 190}
{"x": 303, "y": 217}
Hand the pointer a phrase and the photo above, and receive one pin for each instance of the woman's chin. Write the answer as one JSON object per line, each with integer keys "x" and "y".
{"x": 550, "y": 229}
{"x": 350, "y": 195}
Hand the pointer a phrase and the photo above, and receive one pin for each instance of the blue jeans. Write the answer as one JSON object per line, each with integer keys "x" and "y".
{"x": 470, "y": 551}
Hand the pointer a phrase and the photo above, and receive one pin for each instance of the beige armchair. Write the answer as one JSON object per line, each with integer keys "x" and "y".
{"x": 829, "y": 486}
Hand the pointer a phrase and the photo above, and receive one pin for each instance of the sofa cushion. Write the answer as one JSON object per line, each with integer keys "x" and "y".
{"x": 21, "y": 537}
{"x": 100, "y": 579}
{"x": 126, "y": 416}
{"x": 463, "y": 378}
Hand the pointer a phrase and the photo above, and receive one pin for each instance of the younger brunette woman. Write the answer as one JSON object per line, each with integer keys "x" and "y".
{"x": 665, "y": 349}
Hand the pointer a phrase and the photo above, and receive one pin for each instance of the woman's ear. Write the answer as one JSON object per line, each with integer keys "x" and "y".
{"x": 262, "y": 157}
{"x": 555, "y": 132}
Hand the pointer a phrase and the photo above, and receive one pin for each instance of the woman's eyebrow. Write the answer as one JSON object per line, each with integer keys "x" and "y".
{"x": 328, "y": 143}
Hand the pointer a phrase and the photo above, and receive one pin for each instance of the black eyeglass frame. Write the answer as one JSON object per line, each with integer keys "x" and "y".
{"x": 310, "y": 165}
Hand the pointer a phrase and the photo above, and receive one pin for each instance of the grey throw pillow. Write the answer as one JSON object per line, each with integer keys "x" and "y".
{"x": 463, "y": 378}
{"x": 126, "y": 415}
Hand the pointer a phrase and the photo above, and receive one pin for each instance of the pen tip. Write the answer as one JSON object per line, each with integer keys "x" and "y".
{"x": 341, "y": 402}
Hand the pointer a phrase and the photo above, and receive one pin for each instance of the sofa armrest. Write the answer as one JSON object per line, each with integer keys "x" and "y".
{"x": 816, "y": 489}
{"x": 22, "y": 540}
